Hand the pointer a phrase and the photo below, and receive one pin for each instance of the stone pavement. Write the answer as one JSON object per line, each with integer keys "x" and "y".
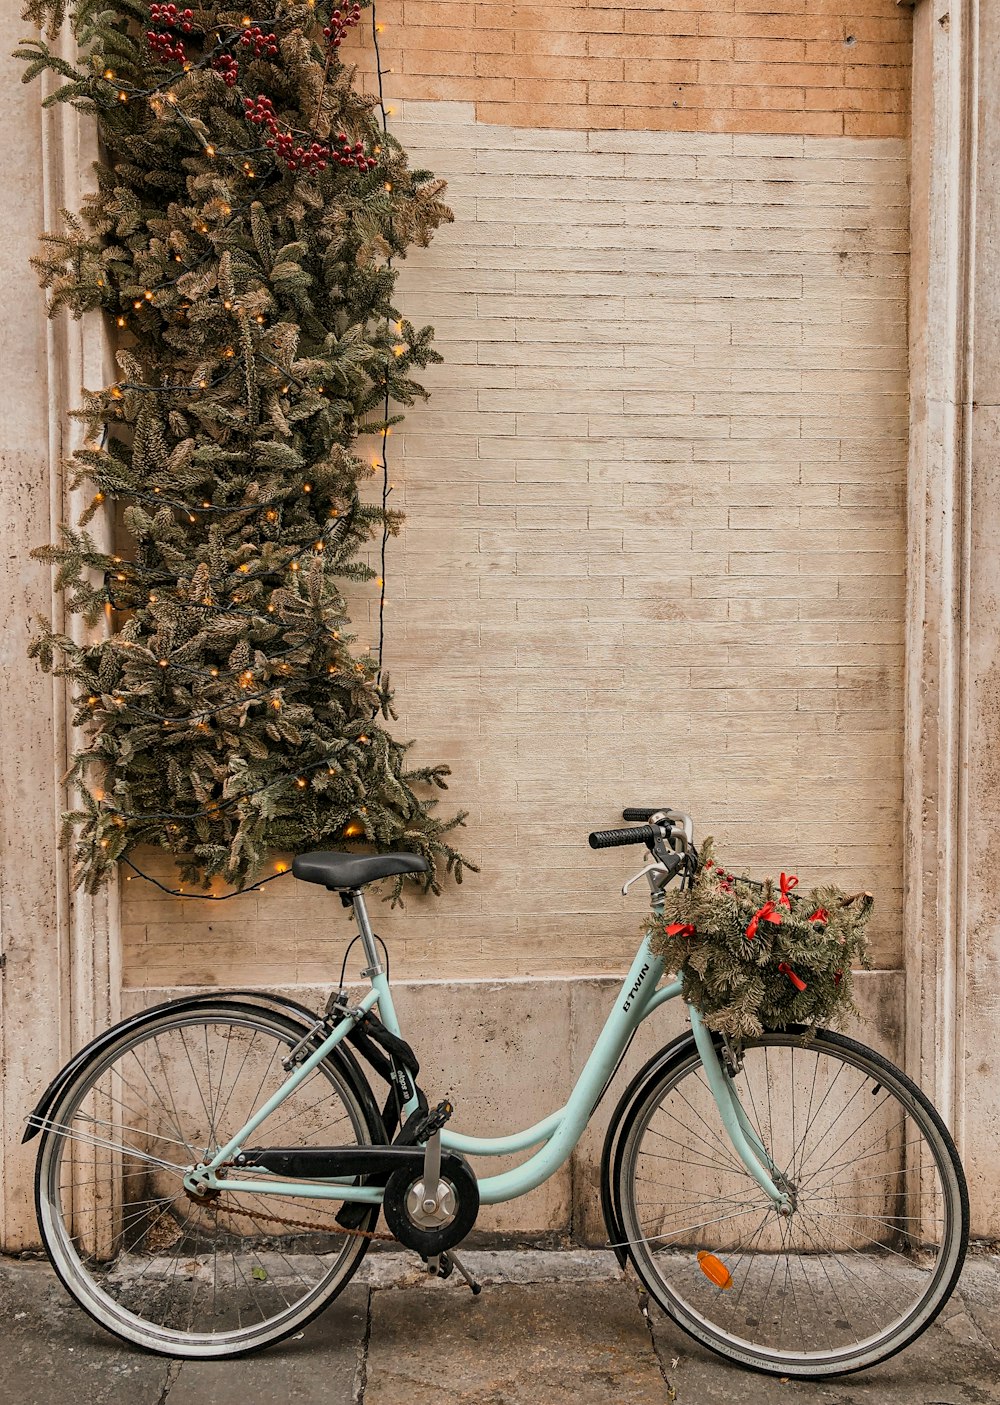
{"x": 550, "y": 1328}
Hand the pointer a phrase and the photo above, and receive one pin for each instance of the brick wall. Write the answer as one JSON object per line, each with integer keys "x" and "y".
{"x": 810, "y": 67}
{"x": 654, "y": 547}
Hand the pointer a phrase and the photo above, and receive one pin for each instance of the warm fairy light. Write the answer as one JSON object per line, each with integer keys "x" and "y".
{"x": 109, "y": 73}
{"x": 244, "y": 568}
{"x": 389, "y": 112}
{"x": 163, "y": 663}
{"x": 209, "y": 150}
{"x": 388, "y": 185}
{"x": 362, "y": 739}
{"x": 149, "y": 295}
{"x": 137, "y": 303}
{"x": 281, "y": 868}
{"x": 214, "y": 672}
{"x": 271, "y": 515}
{"x": 295, "y": 566}
{"x": 227, "y": 303}
{"x": 92, "y": 700}
{"x": 116, "y": 392}
{"x": 98, "y": 497}
{"x": 123, "y": 96}
{"x": 270, "y": 609}
{"x": 307, "y": 487}
{"x": 276, "y": 704}
{"x": 246, "y": 20}
{"x": 380, "y": 29}
{"x": 352, "y": 829}
{"x": 153, "y": 599}
{"x": 302, "y": 782}
{"x": 229, "y": 351}
{"x": 121, "y": 321}
{"x": 260, "y": 319}
{"x": 399, "y": 348}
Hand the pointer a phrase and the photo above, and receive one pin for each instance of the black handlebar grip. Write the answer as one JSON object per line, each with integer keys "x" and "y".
{"x": 643, "y": 812}
{"x": 611, "y": 838}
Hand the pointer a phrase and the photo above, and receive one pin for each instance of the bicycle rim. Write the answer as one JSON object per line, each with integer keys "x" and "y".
{"x": 146, "y": 1260}
{"x": 877, "y": 1234}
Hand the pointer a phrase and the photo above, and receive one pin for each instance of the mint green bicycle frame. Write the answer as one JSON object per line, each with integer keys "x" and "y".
{"x": 556, "y": 1135}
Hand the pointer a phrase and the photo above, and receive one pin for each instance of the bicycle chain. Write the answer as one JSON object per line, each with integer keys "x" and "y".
{"x": 216, "y": 1208}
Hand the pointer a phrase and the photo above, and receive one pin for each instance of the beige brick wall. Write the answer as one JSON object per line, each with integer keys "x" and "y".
{"x": 654, "y": 547}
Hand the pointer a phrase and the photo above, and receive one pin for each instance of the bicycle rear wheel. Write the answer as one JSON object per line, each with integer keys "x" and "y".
{"x": 176, "y": 1274}
{"x": 877, "y": 1235}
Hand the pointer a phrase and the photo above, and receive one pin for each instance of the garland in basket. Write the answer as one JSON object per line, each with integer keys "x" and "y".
{"x": 757, "y": 956}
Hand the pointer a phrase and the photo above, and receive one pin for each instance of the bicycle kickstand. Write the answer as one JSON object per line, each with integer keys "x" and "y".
{"x": 443, "y": 1265}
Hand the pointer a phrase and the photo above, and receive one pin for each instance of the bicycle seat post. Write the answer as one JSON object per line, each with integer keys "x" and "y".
{"x": 357, "y": 898}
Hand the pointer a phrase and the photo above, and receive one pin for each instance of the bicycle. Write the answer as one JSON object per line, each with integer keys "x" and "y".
{"x": 795, "y": 1204}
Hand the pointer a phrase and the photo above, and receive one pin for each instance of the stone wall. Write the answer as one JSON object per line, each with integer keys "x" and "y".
{"x": 654, "y": 548}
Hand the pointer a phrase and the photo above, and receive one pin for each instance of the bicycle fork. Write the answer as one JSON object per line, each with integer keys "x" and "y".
{"x": 745, "y": 1141}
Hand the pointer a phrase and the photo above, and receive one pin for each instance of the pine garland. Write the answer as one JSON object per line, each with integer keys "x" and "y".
{"x": 248, "y": 209}
{"x": 758, "y": 956}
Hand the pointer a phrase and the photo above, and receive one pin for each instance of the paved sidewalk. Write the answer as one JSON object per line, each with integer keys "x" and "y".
{"x": 550, "y": 1328}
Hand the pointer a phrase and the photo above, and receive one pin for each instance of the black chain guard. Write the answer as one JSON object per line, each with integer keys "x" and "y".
{"x": 428, "y": 1241}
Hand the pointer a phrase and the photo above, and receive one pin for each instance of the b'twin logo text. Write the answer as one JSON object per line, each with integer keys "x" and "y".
{"x": 635, "y": 989}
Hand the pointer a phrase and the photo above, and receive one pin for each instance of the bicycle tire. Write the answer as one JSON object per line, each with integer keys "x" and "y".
{"x": 114, "y": 1231}
{"x": 924, "y": 1171}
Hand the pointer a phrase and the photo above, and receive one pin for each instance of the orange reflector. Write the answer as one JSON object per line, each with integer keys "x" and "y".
{"x": 714, "y": 1269}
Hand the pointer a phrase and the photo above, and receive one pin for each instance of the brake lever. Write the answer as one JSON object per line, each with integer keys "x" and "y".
{"x": 664, "y": 871}
{"x": 650, "y": 868}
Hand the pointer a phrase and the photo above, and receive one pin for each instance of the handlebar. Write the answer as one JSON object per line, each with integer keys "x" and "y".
{"x": 643, "y": 812}
{"x": 611, "y": 838}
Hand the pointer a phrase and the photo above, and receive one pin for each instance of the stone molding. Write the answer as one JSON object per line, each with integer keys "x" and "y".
{"x": 62, "y": 982}
{"x": 952, "y": 809}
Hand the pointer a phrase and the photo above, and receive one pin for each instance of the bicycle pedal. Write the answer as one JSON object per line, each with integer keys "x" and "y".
{"x": 434, "y": 1121}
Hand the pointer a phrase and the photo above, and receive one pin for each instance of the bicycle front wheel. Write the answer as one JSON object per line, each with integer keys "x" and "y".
{"x": 187, "y": 1276}
{"x": 878, "y": 1229}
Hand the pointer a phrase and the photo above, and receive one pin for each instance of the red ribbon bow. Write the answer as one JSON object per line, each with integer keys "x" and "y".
{"x": 680, "y": 929}
{"x": 788, "y": 882}
{"x": 767, "y": 913}
{"x": 786, "y": 970}
{"x": 820, "y": 915}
